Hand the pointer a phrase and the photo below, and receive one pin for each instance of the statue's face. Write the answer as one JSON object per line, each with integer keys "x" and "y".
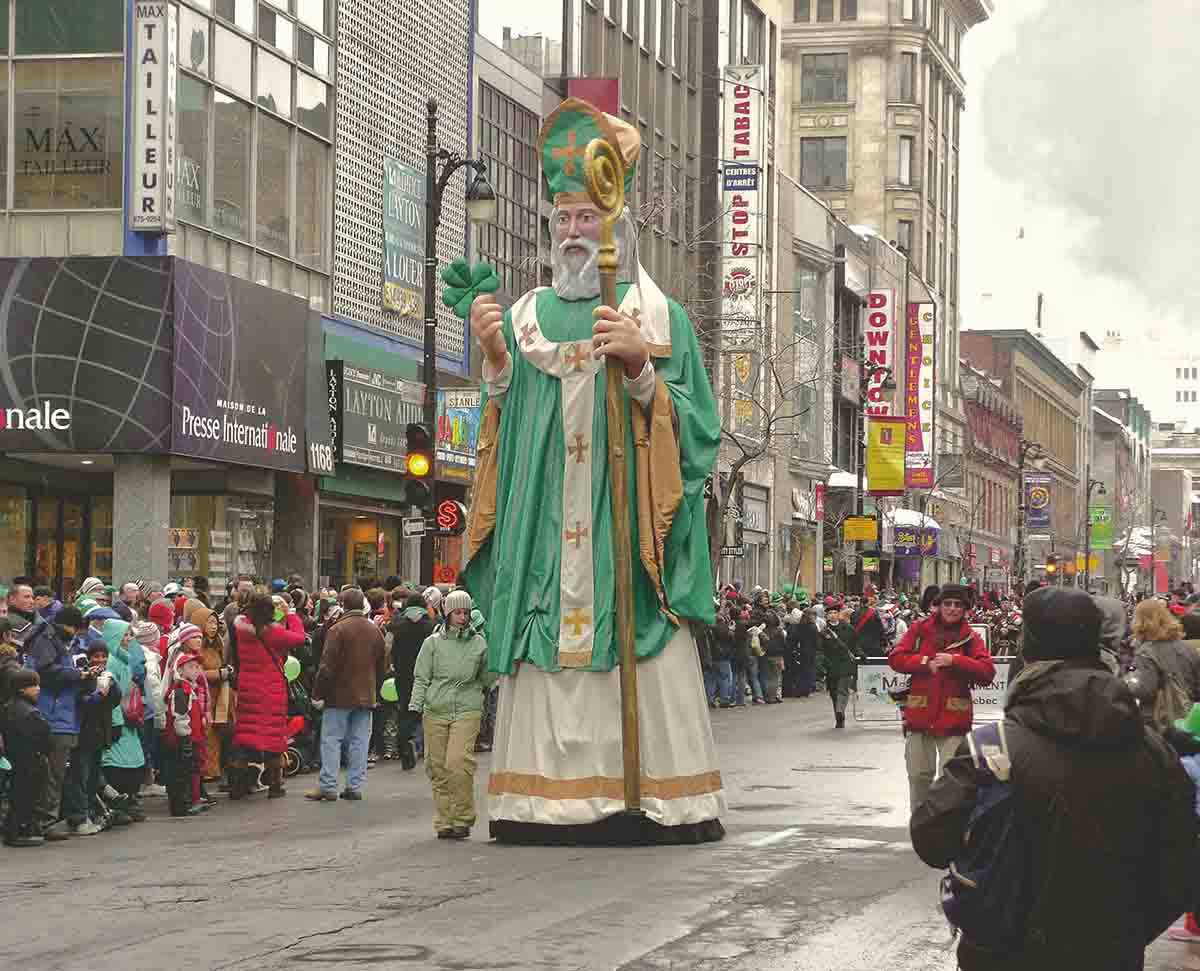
{"x": 577, "y": 232}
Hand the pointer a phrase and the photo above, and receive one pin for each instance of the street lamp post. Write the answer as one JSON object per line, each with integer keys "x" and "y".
{"x": 1087, "y": 529}
{"x": 481, "y": 207}
{"x": 1028, "y": 449}
{"x": 868, "y": 371}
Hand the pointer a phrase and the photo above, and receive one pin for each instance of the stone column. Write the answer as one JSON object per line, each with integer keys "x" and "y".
{"x": 141, "y": 516}
{"x": 296, "y": 534}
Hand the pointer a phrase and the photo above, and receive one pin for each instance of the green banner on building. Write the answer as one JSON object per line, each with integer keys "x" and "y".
{"x": 403, "y": 239}
{"x": 1102, "y": 527}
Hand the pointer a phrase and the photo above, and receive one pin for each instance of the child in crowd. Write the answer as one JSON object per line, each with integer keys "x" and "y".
{"x": 184, "y": 735}
{"x": 95, "y": 734}
{"x": 27, "y": 743}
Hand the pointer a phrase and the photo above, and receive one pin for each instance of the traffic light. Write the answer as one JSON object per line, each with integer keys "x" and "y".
{"x": 418, "y": 465}
{"x": 1051, "y": 565}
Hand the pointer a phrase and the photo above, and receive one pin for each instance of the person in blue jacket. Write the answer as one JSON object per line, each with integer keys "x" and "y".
{"x": 48, "y": 651}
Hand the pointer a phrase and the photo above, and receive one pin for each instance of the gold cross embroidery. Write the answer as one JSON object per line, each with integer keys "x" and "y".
{"x": 578, "y": 449}
{"x": 527, "y": 333}
{"x": 577, "y": 357}
{"x": 576, "y": 535}
{"x": 579, "y": 620}
{"x": 571, "y": 152}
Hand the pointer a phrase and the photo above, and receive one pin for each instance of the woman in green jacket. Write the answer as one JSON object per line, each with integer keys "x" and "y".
{"x": 449, "y": 683}
{"x": 123, "y": 762}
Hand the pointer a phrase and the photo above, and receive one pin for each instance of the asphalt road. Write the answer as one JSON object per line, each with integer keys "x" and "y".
{"x": 815, "y": 874}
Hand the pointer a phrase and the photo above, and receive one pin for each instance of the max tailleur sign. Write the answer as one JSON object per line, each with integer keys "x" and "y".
{"x": 152, "y": 155}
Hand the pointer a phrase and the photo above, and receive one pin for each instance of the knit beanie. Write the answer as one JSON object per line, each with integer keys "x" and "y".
{"x": 146, "y": 633}
{"x": 162, "y": 614}
{"x": 90, "y": 587}
{"x": 187, "y": 632}
{"x": 433, "y": 597}
{"x": 69, "y": 617}
{"x": 1060, "y": 623}
{"x": 456, "y": 600}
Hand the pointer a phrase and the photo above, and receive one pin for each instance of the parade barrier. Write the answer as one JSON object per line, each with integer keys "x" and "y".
{"x": 877, "y": 683}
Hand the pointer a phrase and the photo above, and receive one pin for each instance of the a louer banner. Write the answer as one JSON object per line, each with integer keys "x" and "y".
{"x": 885, "y": 455}
{"x": 1102, "y": 527}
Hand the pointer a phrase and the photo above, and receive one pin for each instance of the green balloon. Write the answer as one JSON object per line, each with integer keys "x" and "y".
{"x": 388, "y": 692}
{"x": 291, "y": 668}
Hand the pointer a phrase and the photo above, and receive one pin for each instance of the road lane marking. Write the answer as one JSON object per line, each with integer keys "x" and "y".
{"x": 774, "y": 838}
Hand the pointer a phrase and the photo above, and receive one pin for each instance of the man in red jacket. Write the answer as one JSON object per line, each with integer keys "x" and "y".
{"x": 945, "y": 658}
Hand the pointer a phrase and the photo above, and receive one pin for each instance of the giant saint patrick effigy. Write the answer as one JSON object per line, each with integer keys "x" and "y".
{"x": 540, "y": 547}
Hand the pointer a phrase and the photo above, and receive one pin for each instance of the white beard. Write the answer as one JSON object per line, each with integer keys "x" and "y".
{"x": 571, "y": 283}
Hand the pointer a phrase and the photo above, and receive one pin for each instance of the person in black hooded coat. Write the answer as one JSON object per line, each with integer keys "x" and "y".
{"x": 1106, "y": 806}
{"x": 409, "y": 626}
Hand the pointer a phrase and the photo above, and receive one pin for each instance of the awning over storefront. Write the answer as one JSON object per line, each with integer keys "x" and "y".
{"x": 910, "y": 517}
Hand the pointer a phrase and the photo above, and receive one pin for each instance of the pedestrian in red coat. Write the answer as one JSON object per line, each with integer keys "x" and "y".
{"x": 263, "y": 641}
{"x": 945, "y": 658}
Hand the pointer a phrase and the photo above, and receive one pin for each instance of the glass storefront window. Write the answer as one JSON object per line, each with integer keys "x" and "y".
{"x": 13, "y": 525}
{"x": 313, "y": 13}
{"x": 231, "y": 165}
{"x": 220, "y": 537}
{"x": 361, "y": 545}
{"x": 101, "y": 553}
{"x": 240, "y": 12}
{"x": 312, "y": 103}
{"x": 231, "y": 60}
{"x": 274, "y": 84}
{"x": 274, "y": 170}
{"x": 193, "y": 41}
{"x": 191, "y": 183}
{"x": 68, "y": 26}
{"x": 312, "y": 186}
{"x": 69, "y": 143}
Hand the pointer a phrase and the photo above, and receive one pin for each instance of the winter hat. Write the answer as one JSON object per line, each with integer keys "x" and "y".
{"x": 278, "y": 585}
{"x": 187, "y": 632}
{"x": 162, "y": 614}
{"x": 102, "y": 613}
{"x": 956, "y": 591}
{"x": 185, "y": 657}
{"x": 22, "y": 678}
{"x": 146, "y": 633}
{"x": 84, "y": 604}
{"x": 795, "y": 616}
{"x": 89, "y": 588}
{"x": 456, "y": 600}
{"x": 433, "y": 597}
{"x": 69, "y": 617}
{"x": 1061, "y": 623}
{"x": 171, "y": 589}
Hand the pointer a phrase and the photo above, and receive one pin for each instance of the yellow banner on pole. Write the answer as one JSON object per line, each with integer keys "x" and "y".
{"x": 864, "y": 528}
{"x": 885, "y": 455}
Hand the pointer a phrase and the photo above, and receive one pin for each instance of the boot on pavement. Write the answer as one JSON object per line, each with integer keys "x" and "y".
{"x": 1190, "y": 931}
{"x": 274, "y": 778}
{"x": 239, "y": 782}
{"x": 839, "y": 718}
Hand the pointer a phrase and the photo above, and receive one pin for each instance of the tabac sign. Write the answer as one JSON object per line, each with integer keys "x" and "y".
{"x": 152, "y": 155}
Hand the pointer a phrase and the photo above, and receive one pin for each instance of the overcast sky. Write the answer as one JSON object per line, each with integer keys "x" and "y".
{"x": 1083, "y": 131}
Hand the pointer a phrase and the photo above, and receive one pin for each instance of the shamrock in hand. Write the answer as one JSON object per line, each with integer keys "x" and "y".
{"x": 465, "y": 282}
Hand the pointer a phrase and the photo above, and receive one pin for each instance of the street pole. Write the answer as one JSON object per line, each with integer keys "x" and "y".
{"x": 1021, "y": 520}
{"x": 429, "y": 365}
{"x": 1087, "y": 533}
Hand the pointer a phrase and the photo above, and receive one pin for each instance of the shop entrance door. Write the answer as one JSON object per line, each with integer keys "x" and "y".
{"x": 61, "y": 542}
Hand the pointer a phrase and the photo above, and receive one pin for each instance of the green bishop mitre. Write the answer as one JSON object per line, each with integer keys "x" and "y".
{"x": 564, "y": 139}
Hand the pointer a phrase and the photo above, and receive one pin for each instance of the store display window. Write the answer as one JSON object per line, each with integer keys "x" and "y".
{"x": 220, "y": 537}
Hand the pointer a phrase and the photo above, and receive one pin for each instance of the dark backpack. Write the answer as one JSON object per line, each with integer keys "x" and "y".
{"x": 988, "y": 893}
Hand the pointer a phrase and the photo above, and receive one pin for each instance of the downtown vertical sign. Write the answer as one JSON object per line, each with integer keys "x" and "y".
{"x": 153, "y": 143}
{"x": 742, "y": 229}
{"x": 878, "y": 337}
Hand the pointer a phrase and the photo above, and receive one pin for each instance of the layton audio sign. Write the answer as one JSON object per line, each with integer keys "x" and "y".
{"x": 152, "y": 155}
